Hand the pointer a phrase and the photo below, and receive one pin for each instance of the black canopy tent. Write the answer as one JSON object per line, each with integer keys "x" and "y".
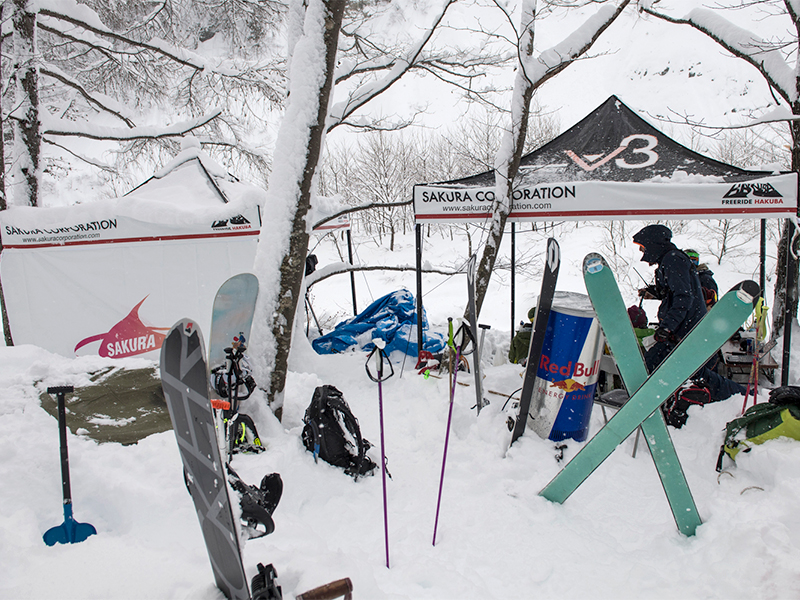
{"x": 613, "y": 165}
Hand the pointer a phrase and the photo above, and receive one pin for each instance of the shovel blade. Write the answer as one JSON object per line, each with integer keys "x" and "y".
{"x": 69, "y": 532}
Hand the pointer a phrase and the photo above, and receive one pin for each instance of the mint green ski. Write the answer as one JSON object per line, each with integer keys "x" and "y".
{"x": 694, "y": 350}
{"x": 621, "y": 339}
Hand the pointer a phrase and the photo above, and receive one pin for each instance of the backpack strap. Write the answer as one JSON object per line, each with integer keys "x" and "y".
{"x": 312, "y": 417}
{"x": 337, "y": 403}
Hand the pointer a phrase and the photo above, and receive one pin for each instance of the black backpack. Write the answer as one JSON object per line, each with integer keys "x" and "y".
{"x": 332, "y": 433}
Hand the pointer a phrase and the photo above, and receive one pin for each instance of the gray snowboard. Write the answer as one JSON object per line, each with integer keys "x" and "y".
{"x": 185, "y": 382}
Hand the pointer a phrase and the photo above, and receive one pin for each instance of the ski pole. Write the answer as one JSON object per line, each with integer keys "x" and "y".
{"x": 70, "y": 531}
{"x": 449, "y": 419}
{"x": 451, "y": 349}
{"x": 380, "y": 354}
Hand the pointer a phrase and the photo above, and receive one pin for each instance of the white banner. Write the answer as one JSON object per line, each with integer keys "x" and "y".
{"x": 25, "y": 227}
{"x": 94, "y": 280}
{"x": 118, "y": 300}
{"x": 340, "y": 222}
{"x": 770, "y": 197}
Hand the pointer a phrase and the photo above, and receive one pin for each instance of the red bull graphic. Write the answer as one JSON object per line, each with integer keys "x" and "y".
{"x": 569, "y": 385}
{"x": 129, "y": 337}
{"x": 568, "y": 371}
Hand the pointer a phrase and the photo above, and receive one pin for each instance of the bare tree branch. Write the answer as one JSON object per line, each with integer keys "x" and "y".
{"x": 120, "y": 38}
{"x": 137, "y": 133}
{"x": 365, "y": 93}
{"x": 88, "y": 96}
{"x": 347, "y": 211}
{"x": 755, "y": 51}
{"x": 338, "y": 269}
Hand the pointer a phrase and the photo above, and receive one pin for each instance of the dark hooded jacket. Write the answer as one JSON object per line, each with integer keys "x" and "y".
{"x": 677, "y": 284}
{"x": 706, "y": 276}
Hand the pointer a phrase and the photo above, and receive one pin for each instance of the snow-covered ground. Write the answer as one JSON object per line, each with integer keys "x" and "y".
{"x": 614, "y": 538}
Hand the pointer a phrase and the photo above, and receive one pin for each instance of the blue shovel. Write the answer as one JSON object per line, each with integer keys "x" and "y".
{"x": 70, "y": 531}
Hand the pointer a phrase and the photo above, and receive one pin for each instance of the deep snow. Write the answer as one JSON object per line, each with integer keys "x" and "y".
{"x": 614, "y": 538}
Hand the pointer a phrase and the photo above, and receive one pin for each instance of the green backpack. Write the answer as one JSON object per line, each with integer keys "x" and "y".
{"x": 780, "y": 417}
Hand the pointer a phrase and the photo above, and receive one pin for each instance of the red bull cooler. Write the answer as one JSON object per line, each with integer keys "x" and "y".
{"x": 563, "y": 393}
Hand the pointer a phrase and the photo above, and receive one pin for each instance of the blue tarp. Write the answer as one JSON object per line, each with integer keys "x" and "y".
{"x": 392, "y": 318}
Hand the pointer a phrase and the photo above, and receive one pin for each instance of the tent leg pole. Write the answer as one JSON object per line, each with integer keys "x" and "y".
{"x": 352, "y": 275}
{"x": 762, "y": 280}
{"x": 513, "y": 276}
{"x": 787, "y": 309}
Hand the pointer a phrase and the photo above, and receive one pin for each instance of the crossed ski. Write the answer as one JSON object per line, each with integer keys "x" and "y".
{"x": 625, "y": 348}
{"x": 691, "y": 353}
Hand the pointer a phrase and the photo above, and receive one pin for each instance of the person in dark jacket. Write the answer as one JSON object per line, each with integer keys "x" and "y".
{"x": 678, "y": 287}
{"x": 706, "y": 275}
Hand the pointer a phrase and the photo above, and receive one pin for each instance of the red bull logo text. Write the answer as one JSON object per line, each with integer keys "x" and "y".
{"x": 566, "y": 370}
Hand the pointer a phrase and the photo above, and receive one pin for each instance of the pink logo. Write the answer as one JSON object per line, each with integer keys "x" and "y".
{"x": 129, "y": 337}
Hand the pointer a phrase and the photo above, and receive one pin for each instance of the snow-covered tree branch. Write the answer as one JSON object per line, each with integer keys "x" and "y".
{"x": 770, "y": 57}
{"x": 533, "y": 72}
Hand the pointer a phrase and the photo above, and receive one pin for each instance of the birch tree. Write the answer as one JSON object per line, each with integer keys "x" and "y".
{"x": 534, "y": 70}
{"x": 770, "y": 57}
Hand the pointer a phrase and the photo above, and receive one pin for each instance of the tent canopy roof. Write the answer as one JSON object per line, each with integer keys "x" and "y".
{"x": 613, "y": 143}
{"x": 613, "y": 165}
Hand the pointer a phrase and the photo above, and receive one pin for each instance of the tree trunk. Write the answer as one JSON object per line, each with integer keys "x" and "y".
{"x": 27, "y": 129}
{"x": 509, "y": 165}
{"x": 3, "y": 205}
{"x": 292, "y": 268}
{"x": 784, "y": 298}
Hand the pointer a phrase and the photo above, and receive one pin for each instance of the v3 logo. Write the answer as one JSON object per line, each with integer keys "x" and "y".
{"x": 597, "y": 160}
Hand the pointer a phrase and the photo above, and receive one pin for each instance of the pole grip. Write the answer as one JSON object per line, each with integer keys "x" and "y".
{"x": 329, "y": 591}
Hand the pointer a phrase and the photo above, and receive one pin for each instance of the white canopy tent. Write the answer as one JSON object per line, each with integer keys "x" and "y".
{"x": 111, "y": 277}
{"x": 612, "y": 165}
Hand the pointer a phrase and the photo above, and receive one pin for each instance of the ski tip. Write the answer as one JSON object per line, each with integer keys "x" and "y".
{"x": 594, "y": 263}
{"x": 747, "y": 291}
{"x": 553, "y": 254}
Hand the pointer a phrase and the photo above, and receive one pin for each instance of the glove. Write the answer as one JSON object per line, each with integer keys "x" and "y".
{"x": 649, "y": 292}
{"x": 664, "y": 335}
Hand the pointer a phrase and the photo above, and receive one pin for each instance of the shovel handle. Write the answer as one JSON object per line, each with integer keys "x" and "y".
{"x": 329, "y": 591}
{"x": 59, "y": 391}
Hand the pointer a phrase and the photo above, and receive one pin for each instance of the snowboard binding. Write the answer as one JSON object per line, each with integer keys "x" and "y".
{"x": 263, "y": 585}
{"x": 257, "y": 503}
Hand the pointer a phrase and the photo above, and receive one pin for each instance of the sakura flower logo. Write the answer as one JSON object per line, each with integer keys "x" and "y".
{"x": 129, "y": 337}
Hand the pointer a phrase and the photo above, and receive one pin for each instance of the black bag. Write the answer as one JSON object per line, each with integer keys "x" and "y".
{"x": 332, "y": 433}
{"x": 676, "y": 407}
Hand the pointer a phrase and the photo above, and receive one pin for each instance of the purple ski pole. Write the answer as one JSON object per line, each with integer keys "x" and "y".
{"x": 380, "y": 355}
{"x": 464, "y": 336}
